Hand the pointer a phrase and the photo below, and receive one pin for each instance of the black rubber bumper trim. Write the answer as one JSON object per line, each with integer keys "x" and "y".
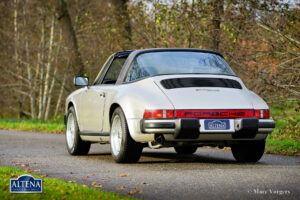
{"x": 249, "y": 128}
{"x": 266, "y": 124}
{"x": 189, "y": 129}
{"x": 156, "y": 125}
{"x": 94, "y": 133}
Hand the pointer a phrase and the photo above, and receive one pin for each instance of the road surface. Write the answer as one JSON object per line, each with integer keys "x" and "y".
{"x": 160, "y": 174}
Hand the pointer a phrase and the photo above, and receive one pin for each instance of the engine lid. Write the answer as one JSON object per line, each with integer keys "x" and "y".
{"x": 204, "y": 92}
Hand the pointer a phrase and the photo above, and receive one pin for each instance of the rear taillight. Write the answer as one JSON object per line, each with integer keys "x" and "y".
{"x": 170, "y": 114}
{"x": 262, "y": 114}
{"x": 158, "y": 114}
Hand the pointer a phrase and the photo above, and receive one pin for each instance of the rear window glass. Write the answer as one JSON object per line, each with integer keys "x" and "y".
{"x": 161, "y": 63}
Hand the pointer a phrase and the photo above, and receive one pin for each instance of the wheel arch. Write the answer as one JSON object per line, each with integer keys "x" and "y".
{"x": 112, "y": 109}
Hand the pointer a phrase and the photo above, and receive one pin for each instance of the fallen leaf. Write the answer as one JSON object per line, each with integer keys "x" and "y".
{"x": 91, "y": 175}
{"x": 29, "y": 170}
{"x": 44, "y": 175}
{"x": 24, "y": 165}
{"x": 36, "y": 170}
{"x": 14, "y": 176}
{"x": 121, "y": 187}
{"x": 134, "y": 192}
{"x": 123, "y": 175}
{"x": 71, "y": 181}
{"x": 96, "y": 184}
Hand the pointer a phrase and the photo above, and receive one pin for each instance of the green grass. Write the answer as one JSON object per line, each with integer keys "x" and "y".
{"x": 283, "y": 146}
{"x": 52, "y": 188}
{"x": 285, "y": 138}
{"x": 32, "y": 125}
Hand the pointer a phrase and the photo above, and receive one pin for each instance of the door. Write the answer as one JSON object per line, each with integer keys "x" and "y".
{"x": 92, "y": 102}
{"x": 93, "y": 99}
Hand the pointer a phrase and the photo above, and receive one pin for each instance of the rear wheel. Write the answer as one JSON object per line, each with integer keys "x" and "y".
{"x": 248, "y": 151}
{"x": 75, "y": 145}
{"x": 123, "y": 148}
{"x": 186, "y": 149}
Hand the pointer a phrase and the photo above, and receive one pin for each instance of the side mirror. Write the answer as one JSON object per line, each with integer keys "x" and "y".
{"x": 81, "y": 81}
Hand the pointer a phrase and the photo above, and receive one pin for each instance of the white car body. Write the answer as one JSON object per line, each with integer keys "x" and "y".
{"x": 95, "y": 104}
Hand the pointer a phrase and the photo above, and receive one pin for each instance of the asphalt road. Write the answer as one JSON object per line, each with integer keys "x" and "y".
{"x": 160, "y": 174}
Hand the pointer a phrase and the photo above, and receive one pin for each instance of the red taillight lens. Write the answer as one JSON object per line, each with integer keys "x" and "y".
{"x": 170, "y": 113}
{"x": 266, "y": 113}
{"x": 262, "y": 114}
{"x": 213, "y": 113}
{"x": 154, "y": 114}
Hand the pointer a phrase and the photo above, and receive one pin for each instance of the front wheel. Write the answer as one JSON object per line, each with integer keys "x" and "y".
{"x": 186, "y": 149}
{"x": 75, "y": 145}
{"x": 123, "y": 148}
{"x": 248, "y": 151}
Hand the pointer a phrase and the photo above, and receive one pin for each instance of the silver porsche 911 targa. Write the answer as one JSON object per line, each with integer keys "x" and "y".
{"x": 181, "y": 98}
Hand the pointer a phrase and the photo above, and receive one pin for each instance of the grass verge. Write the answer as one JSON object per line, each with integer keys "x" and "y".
{"x": 32, "y": 125}
{"x": 52, "y": 188}
{"x": 283, "y": 147}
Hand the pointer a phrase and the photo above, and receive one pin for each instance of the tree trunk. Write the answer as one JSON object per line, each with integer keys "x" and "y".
{"x": 218, "y": 6}
{"x": 69, "y": 35}
{"x": 41, "y": 63}
{"x": 48, "y": 68}
{"x": 19, "y": 71}
{"x": 53, "y": 79}
{"x": 29, "y": 72}
{"x": 61, "y": 92}
{"x": 123, "y": 22}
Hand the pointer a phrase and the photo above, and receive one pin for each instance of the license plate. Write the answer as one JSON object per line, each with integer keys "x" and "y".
{"x": 215, "y": 124}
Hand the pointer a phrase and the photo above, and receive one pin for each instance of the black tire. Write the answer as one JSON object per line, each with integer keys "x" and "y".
{"x": 79, "y": 146}
{"x": 186, "y": 149}
{"x": 130, "y": 150}
{"x": 248, "y": 151}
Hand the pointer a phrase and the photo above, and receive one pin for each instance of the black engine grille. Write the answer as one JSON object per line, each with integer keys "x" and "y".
{"x": 200, "y": 82}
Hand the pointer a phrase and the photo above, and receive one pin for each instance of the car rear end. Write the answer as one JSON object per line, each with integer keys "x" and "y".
{"x": 208, "y": 109}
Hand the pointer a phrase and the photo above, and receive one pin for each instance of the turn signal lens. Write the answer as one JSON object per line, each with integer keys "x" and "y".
{"x": 160, "y": 114}
{"x": 257, "y": 114}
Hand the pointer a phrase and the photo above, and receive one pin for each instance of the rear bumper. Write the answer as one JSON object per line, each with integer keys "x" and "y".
{"x": 191, "y": 128}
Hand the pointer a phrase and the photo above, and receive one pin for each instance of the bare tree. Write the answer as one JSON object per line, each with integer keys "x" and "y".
{"x": 123, "y": 22}
{"x": 69, "y": 35}
{"x": 217, "y": 6}
{"x": 29, "y": 71}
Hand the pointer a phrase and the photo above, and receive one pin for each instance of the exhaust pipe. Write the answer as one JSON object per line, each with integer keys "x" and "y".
{"x": 160, "y": 139}
{"x": 158, "y": 143}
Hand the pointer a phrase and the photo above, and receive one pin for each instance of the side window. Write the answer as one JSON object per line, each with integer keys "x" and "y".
{"x": 113, "y": 72}
{"x": 138, "y": 72}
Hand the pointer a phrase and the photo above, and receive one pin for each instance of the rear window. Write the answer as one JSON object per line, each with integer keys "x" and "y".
{"x": 163, "y": 63}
